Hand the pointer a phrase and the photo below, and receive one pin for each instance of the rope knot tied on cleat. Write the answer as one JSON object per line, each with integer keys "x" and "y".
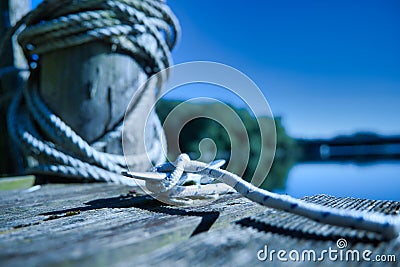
{"x": 166, "y": 182}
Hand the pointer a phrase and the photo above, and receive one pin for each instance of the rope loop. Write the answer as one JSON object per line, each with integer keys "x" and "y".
{"x": 146, "y": 30}
{"x": 126, "y": 25}
{"x": 166, "y": 180}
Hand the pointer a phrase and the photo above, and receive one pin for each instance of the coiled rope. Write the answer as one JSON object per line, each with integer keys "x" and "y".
{"x": 129, "y": 26}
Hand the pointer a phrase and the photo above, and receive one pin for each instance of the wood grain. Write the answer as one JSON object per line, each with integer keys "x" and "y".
{"x": 89, "y": 87}
{"x": 105, "y": 225}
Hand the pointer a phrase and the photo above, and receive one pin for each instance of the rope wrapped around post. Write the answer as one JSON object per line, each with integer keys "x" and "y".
{"x": 130, "y": 27}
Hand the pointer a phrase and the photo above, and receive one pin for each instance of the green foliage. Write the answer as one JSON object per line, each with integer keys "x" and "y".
{"x": 196, "y": 130}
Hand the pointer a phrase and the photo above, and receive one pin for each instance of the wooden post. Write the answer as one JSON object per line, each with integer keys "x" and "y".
{"x": 10, "y": 12}
{"x": 89, "y": 87}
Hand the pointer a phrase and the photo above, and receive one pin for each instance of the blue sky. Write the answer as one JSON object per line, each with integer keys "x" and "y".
{"x": 326, "y": 67}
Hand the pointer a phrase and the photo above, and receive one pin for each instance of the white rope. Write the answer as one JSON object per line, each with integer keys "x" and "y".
{"x": 164, "y": 184}
{"x": 127, "y": 25}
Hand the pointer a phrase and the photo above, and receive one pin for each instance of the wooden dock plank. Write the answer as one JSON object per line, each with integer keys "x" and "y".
{"x": 105, "y": 225}
{"x": 99, "y": 223}
{"x": 238, "y": 244}
{"x": 21, "y": 182}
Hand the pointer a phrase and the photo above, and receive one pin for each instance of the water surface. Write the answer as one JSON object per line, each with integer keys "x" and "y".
{"x": 378, "y": 180}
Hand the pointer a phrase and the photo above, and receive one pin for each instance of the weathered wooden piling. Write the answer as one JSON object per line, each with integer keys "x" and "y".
{"x": 10, "y": 78}
{"x": 88, "y": 61}
{"x": 90, "y": 87}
